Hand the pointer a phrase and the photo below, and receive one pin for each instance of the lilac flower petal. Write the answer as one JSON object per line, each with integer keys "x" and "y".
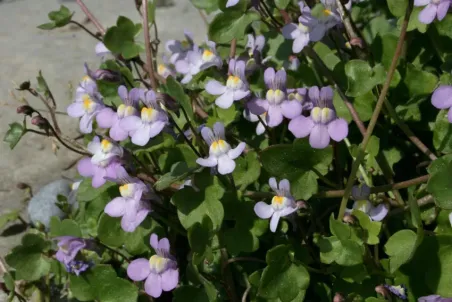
{"x": 291, "y": 109}
{"x": 106, "y": 118}
{"x": 263, "y": 210}
{"x": 117, "y": 133}
{"x": 274, "y": 116}
{"x": 225, "y": 165}
{"x": 153, "y": 286}
{"x": 442, "y": 97}
{"x": 450, "y": 218}
{"x": 379, "y": 212}
{"x": 85, "y": 167}
{"x": 338, "y": 129}
{"x": 240, "y": 94}
{"x": 291, "y": 31}
{"x": 317, "y": 33}
{"x": 98, "y": 177}
{"x": 299, "y": 43}
{"x": 284, "y": 186}
{"x": 132, "y": 219}
{"x": 207, "y": 135}
{"x": 101, "y": 49}
{"x": 288, "y": 211}
{"x": 112, "y": 169}
{"x": 94, "y": 145}
{"x": 207, "y": 162}
{"x": 215, "y": 88}
{"x": 326, "y": 93}
{"x": 314, "y": 93}
{"x": 170, "y": 278}
{"x": 218, "y": 130}
{"x": 240, "y": 67}
{"x": 257, "y": 106}
{"x": 131, "y": 123}
{"x": 433, "y": 298}
{"x": 123, "y": 93}
{"x": 86, "y": 123}
{"x": 142, "y": 135}
{"x": 156, "y": 128}
{"x": 281, "y": 79}
{"x": 234, "y": 153}
{"x": 116, "y": 207}
{"x": 182, "y": 67}
{"x": 154, "y": 241}
{"x": 443, "y": 8}
{"x": 273, "y": 184}
{"x": 428, "y": 14}
{"x": 164, "y": 246}
{"x": 449, "y": 115}
{"x": 75, "y": 109}
{"x": 260, "y": 43}
{"x": 231, "y": 3}
{"x": 301, "y": 126}
{"x": 421, "y": 2}
{"x": 225, "y": 100}
{"x": 319, "y": 137}
{"x": 135, "y": 95}
{"x": 139, "y": 269}
{"x": 274, "y": 221}
{"x": 269, "y": 77}
{"x": 260, "y": 128}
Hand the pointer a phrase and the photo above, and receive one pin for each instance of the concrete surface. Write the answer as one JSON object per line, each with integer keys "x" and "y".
{"x": 60, "y": 55}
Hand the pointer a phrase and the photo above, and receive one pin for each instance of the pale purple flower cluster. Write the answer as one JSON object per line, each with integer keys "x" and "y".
{"x": 221, "y": 155}
{"x": 283, "y": 203}
{"x": 134, "y": 204}
{"x": 433, "y": 9}
{"x": 434, "y": 298}
{"x": 68, "y": 249}
{"x": 160, "y": 271}
{"x": 442, "y": 99}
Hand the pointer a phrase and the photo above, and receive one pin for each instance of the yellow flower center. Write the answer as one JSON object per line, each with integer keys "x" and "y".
{"x": 161, "y": 69}
{"x": 86, "y": 79}
{"x": 278, "y": 199}
{"x": 278, "y": 202}
{"x": 147, "y": 114}
{"x": 126, "y": 190}
{"x": 234, "y": 82}
{"x": 87, "y": 102}
{"x": 303, "y": 28}
{"x": 207, "y": 55}
{"x": 158, "y": 263}
{"x": 322, "y": 115}
{"x": 327, "y": 12}
{"x": 106, "y": 145}
{"x": 219, "y": 147}
{"x": 124, "y": 110}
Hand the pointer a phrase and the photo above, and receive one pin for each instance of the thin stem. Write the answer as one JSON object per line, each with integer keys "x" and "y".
{"x": 265, "y": 126}
{"x": 361, "y": 168}
{"x": 185, "y": 138}
{"x": 139, "y": 75}
{"x": 231, "y": 178}
{"x": 325, "y": 180}
{"x": 203, "y": 17}
{"x": 114, "y": 251}
{"x": 233, "y": 48}
{"x": 86, "y": 29}
{"x": 64, "y": 143}
{"x": 50, "y": 108}
{"x": 35, "y": 131}
{"x": 227, "y": 275}
{"x": 376, "y": 113}
{"x": 147, "y": 44}
{"x": 91, "y": 17}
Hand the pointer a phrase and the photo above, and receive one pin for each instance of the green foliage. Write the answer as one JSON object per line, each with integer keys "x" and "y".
{"x": 175, "y": 90}
{"x": 230, "y": 25}
{"x": 401, "y": 248}
{"x": 362, "y": 78}
{"x": 58, "y": 18}
{"x": 14, "y": 134}
{"x": 67, "y": 227}
{"x": 440, "y": 186}
{"x": 8, "y": 217}
{"x": 120, "y": 39}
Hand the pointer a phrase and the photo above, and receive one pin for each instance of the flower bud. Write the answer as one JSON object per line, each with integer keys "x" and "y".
{"x": 40, "y": 122}
{"x": 24, "y": 86}
{"x": 22, "y": 186}
{"x": 25, "y": 109}
{"x": 381, "y": 290}
{"x": 338, "y": 298}
{"x": 301, "y": 204}
{"x": 349, "y": 219}
{"x": 106, "y": 75}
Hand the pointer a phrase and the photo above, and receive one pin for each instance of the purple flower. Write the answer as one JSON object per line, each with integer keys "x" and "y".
{"x": 377, "y": 213}
{"x": 231, "y": 3}
{"x": 322, "y": 124}
{"x": 68, "y": 248}
{"x": 107, "y": 118}
{"x": 133, "y": 205}
{"x": 275, "y": 103}
{"x": 308, "y": 29}
{"x": 434, "y": 298}
{"x": 300, "y": 95}
{"x": 442, "y": 99}
{"x": 104, "y": 162}
{"x": 398, "y": 290}
{"x": 160, "y": 271}
{"x": 179, "y": 49}
{"x": 197, "y": 60}
{"x": 150, "y": 124}
{"x": 87, "y": 104}
{"x": 260, "y": 128}
{"x": 236, "y": 86}
{"x": 220, "y": 152}
{"x": 101, "y": 50}
{"x": 434, "y": 8}
{"x": 165, "y": 70}
{"x": 77, "y": 266}
{"x": 283, "y": 203}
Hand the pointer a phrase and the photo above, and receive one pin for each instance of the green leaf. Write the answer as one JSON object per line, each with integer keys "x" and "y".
{"x": 442, "y": 133}
{"x": 231, "y": 25}
{"x": 346, "y": 252}
{"x": 247, "y": 169}
{"x": 162, "y": 141}
{"x": 8, "y": 217}
{"x": 176, "y": 91}
{"x": 110, "y": 232}
{"x": 67, "y": 227}
{"x": 176, "y": 154}
{"x": 364, "y": 105}
{"x": 199, "y": 237}
{"x": 397, "y": 7}
{"x": 371, "y": 228}
{"x": 445, "y": 266}
{"x": 120, "y": 38}
{"x": 282, "y": 279}
{"x": 189, "y": 293}
{"x": 179, "y": 171}
{"x": 401, "y": 247}
{"x": 227, "y": 116}
{"x": 279, "y": 49}
{"x": 81, "y": 288}
{"x": 305, "y": 185}
{"x": 14, "y": 134}
{"x": 137, "y": 242}
{"x": 208, "y": 5}
{"x": 414, "y": 22}
{"x": 282, "y": 4}
{"x": 59, "y": 18}
{"x": 86, "y": 192}
{"x": 27, "y": 258}
{"x": 193, "y": 205}
{"x": 9, "y": 281}
{"x": 47, "y": 26}
{"x": 362, "y": 78}
{"x": 440, "y": 186}
{"x": 109, "y": 91}
{"x": 419, "y": 82}
{"x": 151, "y": 11}
{"x": 241, "y": 6}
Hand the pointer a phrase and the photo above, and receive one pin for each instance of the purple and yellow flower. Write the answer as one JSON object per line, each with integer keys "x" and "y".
{"x": 433, "y": 9}
{"x": 282, "y": 204}
{"x": 160, "y": 271}
{"x": 165, "y": 69}
{"x": 308, "y": 29}
{"x": 300, "y": 95}
{"x": 275, "y": 104}
{"x": 442, "y": 99}
{"x": 104, "y": 162}
{"x": 68, "y": 248}
{"x": 236, "y": 86}
{"x": 434, "y": 298}
{"x": 375, "y": 213}
{"x": 179, "y": 49}
{"x": 87, "y": 104}
{"x": 149, "y": 124}
{"x": 322, "y": 124}
{"x": 134, "y": 204}
{"x": 77, "y": 266}
{"x": 398, "y": 290}
{"x": 221, "y": 155}
{"x": 197, "y": 60}
{"x": 108, "y": 118}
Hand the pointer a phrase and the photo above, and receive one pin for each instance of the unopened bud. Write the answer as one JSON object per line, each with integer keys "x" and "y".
{"x": 168, "y": 102}
{"x": 40, "y": 122}
{"x": 356, "y": 42}
{"x": 338, "y": 298}
{"x": 301, "y": 204}
{"x": 348, "y": 219}
{"x": 24, "y": 86}
{"x": 22, "y": 186}
{"x": 381, "y": 290}
{"x": 25, "y": 109}
{"x": 106, "y": 75}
